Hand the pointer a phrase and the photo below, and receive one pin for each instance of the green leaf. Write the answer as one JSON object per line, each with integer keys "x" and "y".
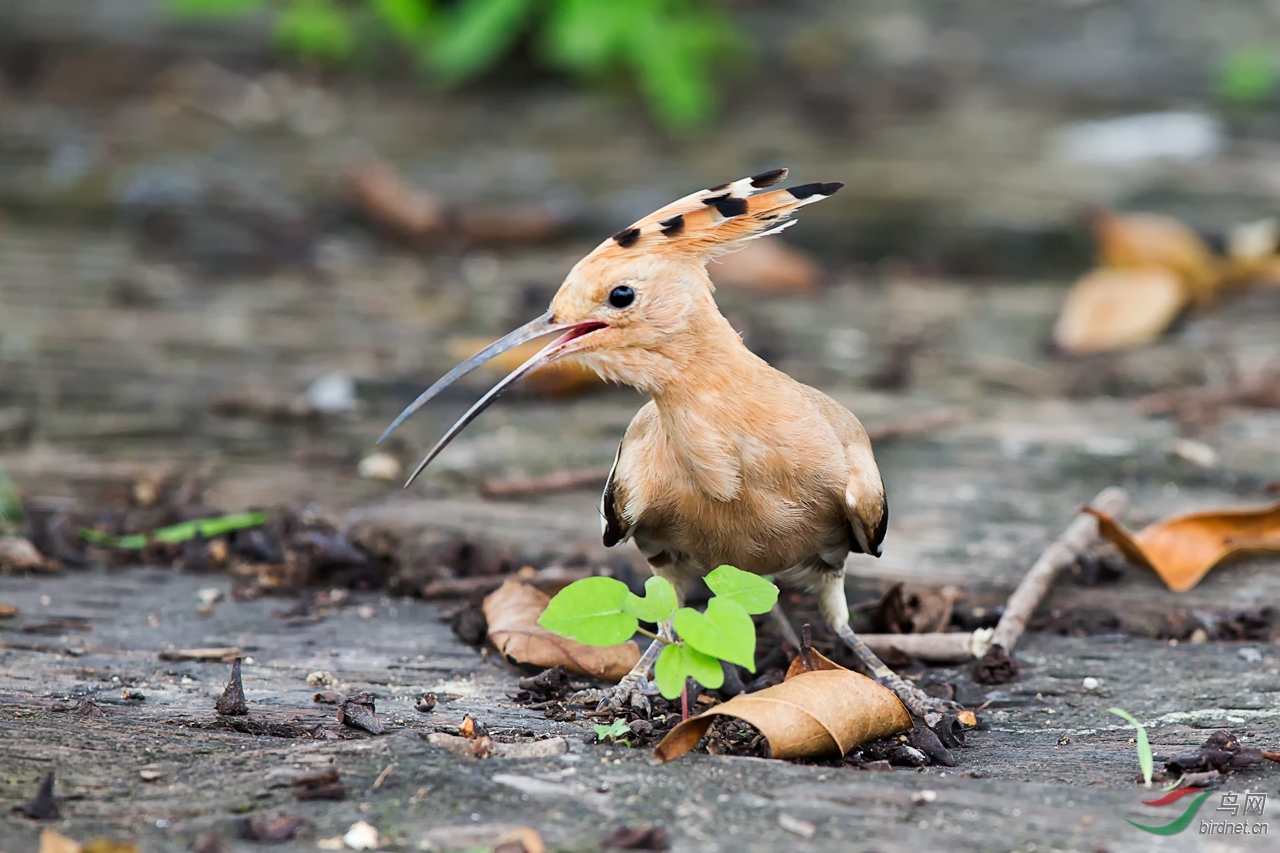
{"x": 1144, "y": 746}
{"x": 586, "y": 36}
{"x": 316, "y": 29}
{"x": 751, "y": 592}
{"x": 206, "y": 528}
{"x": 473, "y": 38}
{"x": 211, "y": 8}
{"x": 1248, "y": 75}
{"x": 658, "y": 605}
{"x": 725, "y": 631}
{"x": 618, "y": 729}
{"x": 408, "y": 19}
{"x": 591, "y": 611}
{"x": 679, "y": 661}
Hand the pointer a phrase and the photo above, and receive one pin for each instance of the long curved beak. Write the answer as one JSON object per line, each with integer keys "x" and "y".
{"x": 537, "y": 328}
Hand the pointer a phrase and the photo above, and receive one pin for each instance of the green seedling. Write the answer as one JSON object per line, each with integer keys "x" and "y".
{"x": 616, "y": 732}
{"x": 1144, "y": 746}
{"x": 666, "y": 47}
{"x": 603, "y": 612}
{"x": 205, "y": 528}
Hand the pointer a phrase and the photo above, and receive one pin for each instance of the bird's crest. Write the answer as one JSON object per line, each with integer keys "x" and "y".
{"x": 715, "y": 220}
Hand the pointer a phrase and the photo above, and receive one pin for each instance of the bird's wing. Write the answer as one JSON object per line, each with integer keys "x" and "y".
{"x": 866, "y": 507}
{"x": 715, "y": 220}
{"x": 612, "y": 524}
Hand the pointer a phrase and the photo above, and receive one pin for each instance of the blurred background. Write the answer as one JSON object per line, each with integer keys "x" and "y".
{"x": 238, "y": 236}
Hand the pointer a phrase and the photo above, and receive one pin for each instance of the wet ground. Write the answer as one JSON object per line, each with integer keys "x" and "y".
{"x": 133, "y": 345}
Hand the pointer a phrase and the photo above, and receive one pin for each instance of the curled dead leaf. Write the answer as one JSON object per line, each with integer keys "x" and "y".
{"x": 1134, "y": 241}
{"x": 384, "y": 195}
{"x": 1112, "y": 309}
{"x": 826, "y": 710}
{"x": 558, "y": 379}
{"x": 1182, "y": 549}
{"x": 512, "y": 611}
{"x": 768, "y": 266}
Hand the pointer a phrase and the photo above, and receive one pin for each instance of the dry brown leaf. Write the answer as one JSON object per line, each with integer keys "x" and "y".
{"x": 522, "y": 839}
{"x": 1112, "y": 309}
{"x": 813, "y": 713}
{"x": 19, "y": 555}
{"x": 512, "y": 611}
{"x": 768, "y": 266}
{"x": 52, "y": 841}
{"x": 1152, "y": 241}
{"x": 558, "y": 379}
{"x": 1182, "y": 549}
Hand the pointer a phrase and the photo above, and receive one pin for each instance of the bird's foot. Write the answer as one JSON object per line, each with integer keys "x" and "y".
{"x": 928, "y": 708}
{"x": 634, "y": 689}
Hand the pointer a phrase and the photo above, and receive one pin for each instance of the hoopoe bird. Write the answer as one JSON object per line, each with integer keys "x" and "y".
{"x": 731, "y": 461}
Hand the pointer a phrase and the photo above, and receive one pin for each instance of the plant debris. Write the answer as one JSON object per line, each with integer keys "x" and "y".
{"x": 1182, "y": 549}
{"x": 426, "y": 704}
{"x": 485, "y": 746}
{"x": 231, "y": 703}
{"x": 213, "y": 655}
{"x": 1222, "y": 751}
{"x": 325, "y": 785}
{"x": 512, "y": 614}
{"x": 42, "y": 806}
{"x": 273, "y": 829}
{"x": 652, "y": 838}
{"x": 357, "y": 711}
{"x": 823, "y": 712}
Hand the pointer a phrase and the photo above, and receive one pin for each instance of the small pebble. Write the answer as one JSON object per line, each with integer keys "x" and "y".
{"x": 1249, "y": 654}
{"x": 794, "y": 824}
{"x": 361, "y": 836}
{"x": 925, "y": 796}
{"x": 1091, "y": 683}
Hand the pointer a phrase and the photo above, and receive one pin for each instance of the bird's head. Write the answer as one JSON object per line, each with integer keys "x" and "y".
{"x": 639, "y": 307}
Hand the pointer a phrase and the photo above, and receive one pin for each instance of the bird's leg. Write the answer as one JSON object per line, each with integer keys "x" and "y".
{"x": 835, "y": 610}
{"x": 635, "y": 688}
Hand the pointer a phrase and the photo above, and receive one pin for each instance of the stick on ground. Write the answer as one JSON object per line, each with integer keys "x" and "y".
{"x": 998, "y": 665}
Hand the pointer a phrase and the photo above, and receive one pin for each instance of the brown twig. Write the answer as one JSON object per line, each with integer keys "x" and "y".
{"x": 998, "y": 665}
{"x": 918, "y": 424}
{"x": 559, "y": 481}
{"x": 553, "y": 578}
{"x": 955, "y": 647}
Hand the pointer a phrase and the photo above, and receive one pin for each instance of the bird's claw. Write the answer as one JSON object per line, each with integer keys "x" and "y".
{"x": 634, "y": 690}
{"x": 928, "y": 708}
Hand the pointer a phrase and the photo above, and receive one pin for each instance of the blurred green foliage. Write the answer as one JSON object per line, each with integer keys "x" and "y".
{"x": 12, "y": 516}
{"x": 668, "y": 47}
{"x": 1247, "y": 75}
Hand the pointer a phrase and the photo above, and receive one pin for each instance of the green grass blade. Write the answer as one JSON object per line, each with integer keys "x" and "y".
{"x": 206, "y": 528}
{"x": 1144, "y": 746}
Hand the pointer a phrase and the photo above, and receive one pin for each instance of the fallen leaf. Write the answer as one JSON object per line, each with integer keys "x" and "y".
{"x": 272, "y": 828}
{"x": 1182, "y": 549}
{"x": 558, "y": 379}
{"x": 52, "y": 841}
{"x": 17, "y": 554}
{"x": 768, "y": 266}
{"x": 512, "y": 611}
{"x": 825, "y": 711}
{"x": 1138, "y": 241}
{"x": 1112, "y": 309}
{"x": 8, "y": 611}
{"x": 522, "y": 839}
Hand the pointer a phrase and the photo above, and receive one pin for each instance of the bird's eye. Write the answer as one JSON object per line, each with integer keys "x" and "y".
{"x": 621, "y": 296}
